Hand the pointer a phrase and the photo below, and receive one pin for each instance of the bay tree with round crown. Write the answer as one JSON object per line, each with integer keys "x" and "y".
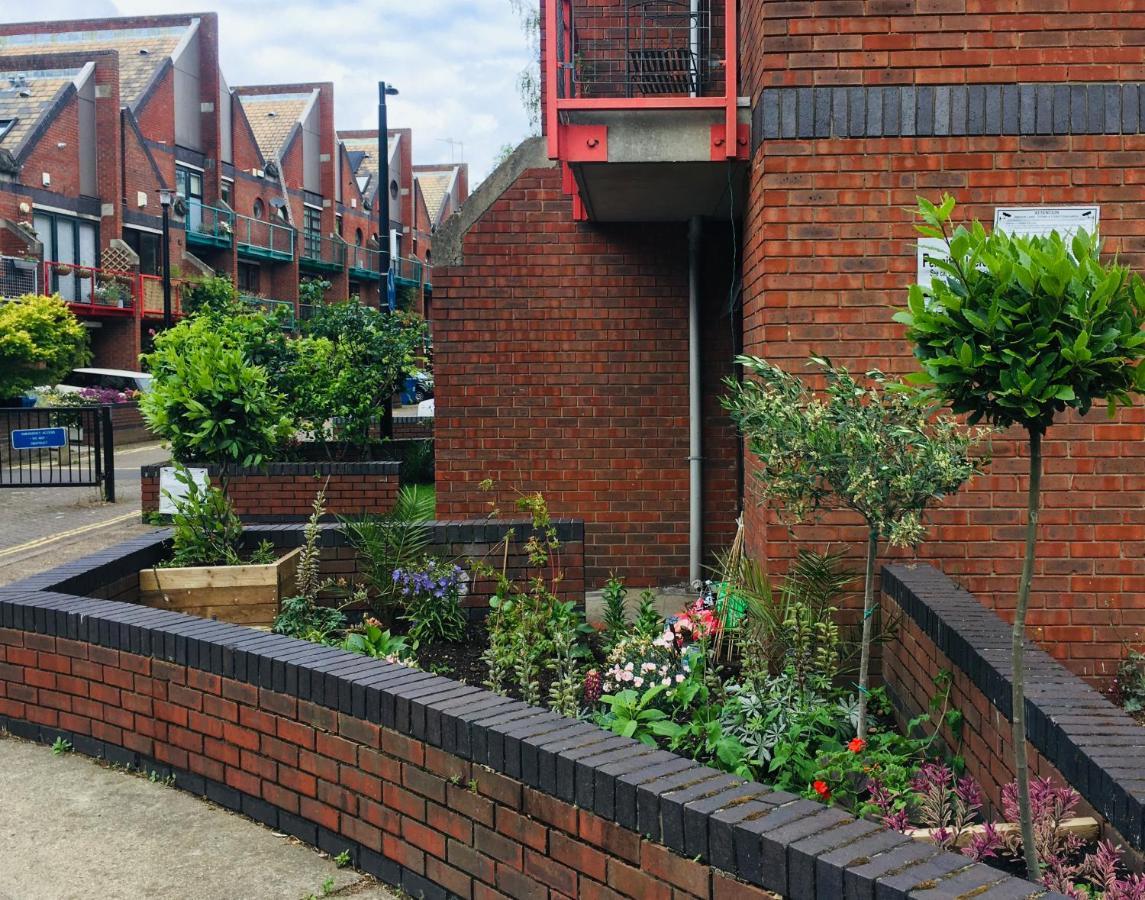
{"x": 1014, "y": 330}
{"x": 866, "y": 445}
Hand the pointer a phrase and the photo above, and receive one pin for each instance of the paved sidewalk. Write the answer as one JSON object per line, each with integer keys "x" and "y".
{"x": 71, "y": 828}
{"x": 45, "y": 527}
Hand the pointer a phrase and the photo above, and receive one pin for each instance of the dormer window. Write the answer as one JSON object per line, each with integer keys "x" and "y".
{"x": 6, "y": 125}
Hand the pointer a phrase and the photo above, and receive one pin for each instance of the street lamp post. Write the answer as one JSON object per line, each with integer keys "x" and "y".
{"x": 165, "y": 198}
{"x": 384, "y": 90}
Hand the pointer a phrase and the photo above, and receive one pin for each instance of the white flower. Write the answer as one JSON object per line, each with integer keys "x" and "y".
{"x": 628, "y": 667}
{"x": 638, "y": 681}
{"x": 648, "y": 667}
{"x": 666, "y": 682}
{"x": 679, "y": 679}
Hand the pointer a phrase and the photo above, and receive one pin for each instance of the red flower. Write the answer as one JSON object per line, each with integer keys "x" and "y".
{"x": 822, "y": 790}
{"x": 857, "y": 745}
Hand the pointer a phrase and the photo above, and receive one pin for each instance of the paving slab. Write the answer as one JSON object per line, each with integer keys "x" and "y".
{"x": 72, "y": 828}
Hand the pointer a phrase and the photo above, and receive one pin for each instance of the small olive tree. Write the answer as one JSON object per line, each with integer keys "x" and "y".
{"x": 866, "y": 447}
{"x": 1013, "y": 331}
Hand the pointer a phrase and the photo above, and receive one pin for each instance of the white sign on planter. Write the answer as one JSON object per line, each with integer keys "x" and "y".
{"x": 1040, "y": 221}
{"x": 172, "y": 490}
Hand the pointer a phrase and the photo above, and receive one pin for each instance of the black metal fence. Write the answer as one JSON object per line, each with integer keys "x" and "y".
{"x": 65, "y": 446}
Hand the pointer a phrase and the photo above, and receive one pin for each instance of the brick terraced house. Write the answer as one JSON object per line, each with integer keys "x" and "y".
{"x": 716, "y": 177}
{"x": 98, "y": 115}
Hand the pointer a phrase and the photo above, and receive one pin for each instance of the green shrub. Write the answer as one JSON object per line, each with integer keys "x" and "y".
{"x": 208, "y": 402}
{"x": 214, "y": 293}
{"x": 41, "y": 340}
{"x": 206, "y": 531}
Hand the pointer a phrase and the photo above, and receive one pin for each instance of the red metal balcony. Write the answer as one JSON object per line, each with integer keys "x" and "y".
{"x": 640, "y": 100}
{"x": 91, "y": 291}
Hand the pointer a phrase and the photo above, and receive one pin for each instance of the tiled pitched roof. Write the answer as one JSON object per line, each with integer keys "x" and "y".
{"x": 141, "y": 51}
{"x": 25, "y": 97}
{"x": 435, "y": 185}
{"x": 363, "y": 153}
{"x": 273, "y": 117}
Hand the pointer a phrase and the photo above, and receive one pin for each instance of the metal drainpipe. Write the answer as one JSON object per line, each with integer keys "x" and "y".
{"x": 695, "y": 422}
{"x": 694, "y": 41}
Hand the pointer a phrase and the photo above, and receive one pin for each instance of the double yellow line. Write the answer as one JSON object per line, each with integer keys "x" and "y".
{"x": 63, "y": 535}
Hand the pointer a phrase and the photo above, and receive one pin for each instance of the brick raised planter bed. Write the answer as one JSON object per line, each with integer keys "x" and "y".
{"x": 284, "y": 492}
{"x": 444, "y": 789}
{"x": 1076, "y": 736}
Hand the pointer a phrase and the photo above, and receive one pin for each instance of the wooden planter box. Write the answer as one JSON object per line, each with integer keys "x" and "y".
{"x": 245, "y": 595}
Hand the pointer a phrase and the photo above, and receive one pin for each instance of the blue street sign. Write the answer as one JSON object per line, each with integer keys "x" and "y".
{"x": 391, "y": 289}
{"x": 39, "y": 438}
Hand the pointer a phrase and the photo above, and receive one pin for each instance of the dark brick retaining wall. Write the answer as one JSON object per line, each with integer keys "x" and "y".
{"x": 1076, "y": 735}
{"x": 445, "y": 789}
{"x": 413, "y": 428}
{"x": 284, "y": 492}
{"x": 114, "y": 575}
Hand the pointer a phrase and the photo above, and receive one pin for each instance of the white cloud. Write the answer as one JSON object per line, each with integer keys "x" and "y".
{"x": 455, "y": 62}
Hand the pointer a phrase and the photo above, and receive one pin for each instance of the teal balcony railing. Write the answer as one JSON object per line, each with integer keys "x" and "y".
{"x": 407, "y": 270}
{"x": 318, "y": 252}
{"x": 363, "y": 261}
{"x": 257, "y": 239}
{"x": 208, "y": 226}
{"x": 283, "y": 307}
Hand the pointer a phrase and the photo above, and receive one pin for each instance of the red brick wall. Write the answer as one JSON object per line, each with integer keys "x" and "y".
{"x": 561, "y": 367}
{"x": 115, "y": 344}
{"x": 474, "y": 832}
{"x": 911, "y": 662}
{"x": 828, "y": 257}
{"x": 259, "y": 495}
{"x": 938, "y": 41}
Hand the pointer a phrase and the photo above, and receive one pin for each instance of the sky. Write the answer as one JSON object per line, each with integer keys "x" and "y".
{"x": 454, "y": 62}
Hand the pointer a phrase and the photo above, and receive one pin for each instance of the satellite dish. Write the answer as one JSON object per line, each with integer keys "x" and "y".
{"x": 179, "y": 207}
{"x": 271, "y": 170}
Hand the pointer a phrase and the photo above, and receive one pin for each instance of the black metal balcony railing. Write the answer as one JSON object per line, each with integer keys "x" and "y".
{"x": 639, "y": 48}
{"x": 321, "y": 252}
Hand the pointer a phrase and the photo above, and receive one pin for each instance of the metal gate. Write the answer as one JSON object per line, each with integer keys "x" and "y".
{"x": 62, "y": 446}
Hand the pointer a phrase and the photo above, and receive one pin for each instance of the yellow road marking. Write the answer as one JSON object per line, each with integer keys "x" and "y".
{"x": 75, "y": 532}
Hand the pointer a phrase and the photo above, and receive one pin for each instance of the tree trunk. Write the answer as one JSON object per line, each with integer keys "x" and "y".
{"x": 1017, "y": 643}
{"x": 868, "y": 617}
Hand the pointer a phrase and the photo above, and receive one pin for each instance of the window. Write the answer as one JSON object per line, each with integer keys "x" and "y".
{"x": 189, "y": 186}
{"x": 248, "y": 278}
{"x": 72, "y": 242}
{"x": 338, "y": 224}
{"x": 394, "y": 189}
{"x": 6, "y": 125}
{"x": 358, "y": 236}
{"x": 147, "y": 247}
{"x": 259, "y": 208}
{"x": 226, "y": 192}
{"x": 312, "y": 232}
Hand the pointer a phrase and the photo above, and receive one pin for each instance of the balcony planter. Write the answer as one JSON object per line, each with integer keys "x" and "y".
{"x": 25, "y": 265}
{"x": 245, "y": 595}
{"x": 64, "y": 271}
{"x": 85, "y": 274}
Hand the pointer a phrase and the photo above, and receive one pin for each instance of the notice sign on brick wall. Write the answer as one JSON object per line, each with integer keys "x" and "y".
{"x": 172, "y": 491}
{"x": 1041, "y": 221}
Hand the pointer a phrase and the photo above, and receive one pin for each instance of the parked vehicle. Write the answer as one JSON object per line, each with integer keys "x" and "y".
{"x": 104, "y": 379}
{"x": 418, "y": 386}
